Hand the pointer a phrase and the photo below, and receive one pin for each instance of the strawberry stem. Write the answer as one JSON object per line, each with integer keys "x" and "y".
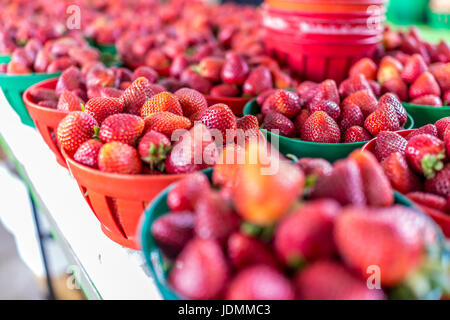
{"x": 431, "y": 164}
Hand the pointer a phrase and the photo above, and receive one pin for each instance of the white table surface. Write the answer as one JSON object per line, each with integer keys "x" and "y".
{"x": 114, "y": 271}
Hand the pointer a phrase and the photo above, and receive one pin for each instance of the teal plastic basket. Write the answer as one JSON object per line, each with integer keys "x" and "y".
{"x": 13, "y": 87}
{"x": 423, "y": 115}
{"x": 307, "y": 149}
{"x": 5, "y": 58}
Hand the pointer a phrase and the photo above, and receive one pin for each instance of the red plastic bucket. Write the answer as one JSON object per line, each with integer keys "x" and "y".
{"x": 46, "y": 119}
{"x": 236, "y": 104}
{"x": 118, "y": 200}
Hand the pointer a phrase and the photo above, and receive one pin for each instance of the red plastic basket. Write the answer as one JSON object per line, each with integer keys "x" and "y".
{"x": 46, "y": 119}
{"x": 236, "y": 104}
{"x": 118, "y": 200}
{"x": 441, "y": 218}
{"x": 328, "y": 6}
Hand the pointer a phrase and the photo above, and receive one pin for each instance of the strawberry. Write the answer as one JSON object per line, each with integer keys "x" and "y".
{"x": 247, "y": 126}
{"x": 447, "y": 141}
{"x": 215, "y": 219}
{"x": 260, "y": 282}
{"x": 351, "y": 116}
{"x": 179, "y": 63}
{"x": 221, "y": 118}
{"x": 389, "y": 68}
{"x": 307, "y": 234}
{"x": 210, "y": 68}
{"x": 397, "y": 251}
{"x": 315, "y": 283}
{"x": 191, "y": 101}
{"x": 377, "y": 188}
{"x": 384, "y": 118}
{"x": 428, "y": 100}
{"x": 440, "y": 184}
{"x": 428, "y": 129}
{"x": 43, "y": 94}
{"x": 259, "y": 80}
{"x": 388, "y": 142}
{"x": 353, "y": 84}
{"x": 428, "y": 199}
{"x": 227, "y": 163}
{"x": 143, "y": 71}
{"x": 101, "y": 108}
{"x": 125, "y": 128}
{"x": 391, "y": 40}
{"x": 285, "y": 102}
{"x": 60, "y": 64}
{"x": 153, "y": 148}
{"x": 364, "y": 99}
{"x": 441, "y": 73}
{"x": 76, "y": 128}
{"x": 244, "y": 251}
{"x": 87, "y": 153}
{"x": 166, "y": 123}
{"x": 356, "y": 134}
{"x": 276, "y": 121}
{"x": 390, "y": 99}
{"x": 108, "y": 92}
{"x": 300, "y": 120}
{"x": 185, "y": 193}
{"x": 171, "y": 84}
{"x": 425, "y": 153}
{"x": 235, "y": 69}
{"x": 195, "y": 81}
{"x": 315, "y": 167}
{"x": 446, "y": 97}
{"x": 399, "y": 174}
{"x": 48, "y": 104}
{"x": 224, "y": 90}
{"x": 329, "y": 107}
{"x": 320, "y": 127}
{"x": 376, "y": 88}
{"x": 344, "y": 184}
{"x": 172, "y": 231}
{"x": 425, "y": 84}
{"x": 396, "y": 86}
{"x": 261, "y": 98}
{"x": 306, "y": 90}
{"x": 281, "y": 79}
{"x": 414, "y": 67}
{"x": 68, "y": 101}
{"x": 118, "y": 157}
{"x": 135, "y": 95}
{"x": 441, "y": 126}
{"x": 326, "y": 90}
{"x": 161, "y": 102}
{"x": 366, "y": 67}
{"x": 200, "y": 270}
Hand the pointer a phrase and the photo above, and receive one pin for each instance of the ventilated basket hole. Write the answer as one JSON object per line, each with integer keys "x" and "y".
{"x": 113, "y": 208}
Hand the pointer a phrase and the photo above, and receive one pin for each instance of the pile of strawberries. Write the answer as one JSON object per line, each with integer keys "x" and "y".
{"x": 316, "y": 114}
{"x": 418, "y": 165}
{"x": 257, "y": 238}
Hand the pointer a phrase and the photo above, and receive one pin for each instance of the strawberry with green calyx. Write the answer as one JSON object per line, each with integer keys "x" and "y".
{"x": 402, "y": 178}
{"x": 76, "y": 128}
{"x": 440, "y": 183}
{"x": 153, "y": 149}
{"x": 425, "y": 153}
{"x": 118, "y": 157}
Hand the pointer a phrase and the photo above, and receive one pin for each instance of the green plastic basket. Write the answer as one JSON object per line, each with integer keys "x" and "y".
{"x": 412, "y": 12}
{"x": 306, "y": 149}
{"x": 13, "y": 87}
{"x": 153, "y": 256}
{"x": 423, "y": 115}
{"x": 5, "y": 58}
{"x": 438, "y": 20}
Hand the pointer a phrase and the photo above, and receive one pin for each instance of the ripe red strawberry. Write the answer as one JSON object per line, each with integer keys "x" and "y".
{"x": 210, "y": 68}
{"x": 428, "y": 129}
{"x": 329, "y": 280}
{"x": 122, "y": 127}
{"x": 185, "y": 193}
{"x": 447, "y": 141}
{"x": 68, "y": 101}
{"x": 193, "y": 80}
{"x": 135, "y": 95}
{"x": 191, "y": 101}
{"x": 446, "y": 97}
{"x": 171, "y": 84}
{"x": 285, "y": 102}
{"x": 260, "y": 282}
{"x": 307, "y": 234}
{"x": 300, "y": 120}
{"x": 143, "y": 71}
{"x": 390, "y": 99}
{"x": 261, "y": 98}
{"x": 153, "y": 148}
{"x": 87, "y": 153}
{"x": 224, "y": 90}
{"x": 389, "y": 68}
{"x": 315, "y": 167}
{"x": 306, "y": 90}
{"x": 161, "y": 102}
{"x": 414, "y": 67}
{"x": 382, "y": 119}
{"x": 221, "y": 118}
{"x": 244, "y": 251}
{"x": 344, "y": 184}
{"x": 388, "y": 142}
{"x": 48, "y": 104}
{"x": 276, "y": 121}
{"x": 441, "y": 73}
{"x": 235, "y": 69}
{"x": 320, "y": 127}
{"x": 259, "y": 80}
{"x": 329, "y": 107}
{"x": 376, "y": 88}
{"x": 399, "y": 174}
{"x": 166, "y": 122}
{"x": 326, "y": 90}
{"x": 101, "y": 108}
{"x": 249, "y": 126}
{"x": 118, "y": 157}
{"x": 377, "y": 188}
{"x": 396, "y": 86}
{"x": 441, "y": 126}
{"x": 69, "y": 80}
{"x": 76, "y": 128}
{"x": 395, "y": 249}
{"x": 172, "y": 231}
{"x": 425, "y": 153}
{"x": 108, "y": 92}
{"x": 425, "y": 84}
{"x": 364, "y": 99}
{"x": 366, "y": 67}
{"x": 179, "y": 63}
{"x": 200, "y": 271}
{"x": 440, "y": 184}
{"x": 43, "y": 94}
{"x": 353, "y": 84}
{"x": 428, "y": 199}
{"x": 215, "y": 219}
{"x": 428, "y": 100}
{"x": 351, "y": 116}
{"x": 356, "y": 134}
